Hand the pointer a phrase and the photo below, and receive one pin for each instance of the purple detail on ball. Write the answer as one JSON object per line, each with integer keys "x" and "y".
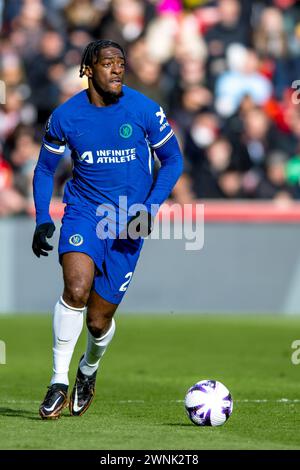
{"x": 195, "y": 408}
{"x": 207, "y": 421}
{"x": 227, "y": 410}
{"x": 212, "y": 383}
{"x": 198, "y": 387}
{"x": 204, "y": 416}
{"x": 228, "y": 397}
{"x": 203, "y": 387}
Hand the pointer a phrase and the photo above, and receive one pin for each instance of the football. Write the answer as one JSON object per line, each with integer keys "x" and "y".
{"x": 208, "y": 403}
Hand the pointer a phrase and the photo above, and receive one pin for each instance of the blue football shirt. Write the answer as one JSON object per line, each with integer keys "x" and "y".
{"x": 111, "y": 147}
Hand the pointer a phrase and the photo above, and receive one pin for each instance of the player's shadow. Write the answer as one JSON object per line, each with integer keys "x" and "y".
{"x": 17, "y": 413}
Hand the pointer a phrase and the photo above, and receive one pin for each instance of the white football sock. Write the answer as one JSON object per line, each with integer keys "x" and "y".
{"x": 96, "y": 347}
{"x": 67, "y": 326}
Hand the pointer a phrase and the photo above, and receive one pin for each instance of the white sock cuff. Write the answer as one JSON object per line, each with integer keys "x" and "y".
{"x": 107, "y": 337}
{"x": 111, "y": 330}
{"x": 63, "y": 302}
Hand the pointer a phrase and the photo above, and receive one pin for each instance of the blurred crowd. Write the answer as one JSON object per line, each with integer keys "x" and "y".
{"x": 227, "y": 73}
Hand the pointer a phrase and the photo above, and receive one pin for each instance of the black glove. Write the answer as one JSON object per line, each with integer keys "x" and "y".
{"x": 140, "y": 225}
{"x": 39, "y": 243}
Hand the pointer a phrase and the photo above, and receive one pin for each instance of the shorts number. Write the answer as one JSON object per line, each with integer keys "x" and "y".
{"x": 124, "y": 286}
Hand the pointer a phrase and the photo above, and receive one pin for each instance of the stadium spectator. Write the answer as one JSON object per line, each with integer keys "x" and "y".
{"x": 44, "y": 70}
{"x": 11, "y": 201}
{"x": 125, "y": 21}
{"x": 242, "y": 79}
{"x": 270, "y": 38}
{"x": 146, "y": 72}
{"x": 260, "y": 137}
{"x": 232, "y": 28}
{"x": 82, "y": 14}
{"x": 27, "y": 27}
{"x": 274, "y": 184}
{"x": 23, "y": 158}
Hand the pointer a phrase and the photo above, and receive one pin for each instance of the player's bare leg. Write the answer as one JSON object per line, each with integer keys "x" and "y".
{"x": 99, "y": 316}
{"x": 78, "y": 272}
{"x": 101, "y": 328}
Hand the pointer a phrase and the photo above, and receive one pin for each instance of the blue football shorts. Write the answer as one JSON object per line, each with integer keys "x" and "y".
{"x": 115, "y": 259}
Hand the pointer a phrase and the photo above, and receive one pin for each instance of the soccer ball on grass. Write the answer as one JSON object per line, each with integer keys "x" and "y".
{"x": 208, "y": 403}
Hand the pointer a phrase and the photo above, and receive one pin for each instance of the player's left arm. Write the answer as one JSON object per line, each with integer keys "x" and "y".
{"x": 51, "y": 153}
{"x": 163, "y": 141}
{"x": 171, "y": 160}
{"x": 171, "y": 168}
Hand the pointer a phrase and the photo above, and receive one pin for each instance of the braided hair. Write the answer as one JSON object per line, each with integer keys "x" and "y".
{"x": 91, "y": 53}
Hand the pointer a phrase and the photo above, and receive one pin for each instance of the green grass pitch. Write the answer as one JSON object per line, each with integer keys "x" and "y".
{"x": 144, "y": 376}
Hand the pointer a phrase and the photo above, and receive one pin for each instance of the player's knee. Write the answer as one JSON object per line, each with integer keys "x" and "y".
{"x": 76, "y": 295}
{"x": 98, "y": 326}
{"x": 95, "y": 327}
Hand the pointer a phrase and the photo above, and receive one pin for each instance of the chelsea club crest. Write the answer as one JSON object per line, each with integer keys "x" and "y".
{"x": 76, "y": 240}
{"x": 125, "y": 131}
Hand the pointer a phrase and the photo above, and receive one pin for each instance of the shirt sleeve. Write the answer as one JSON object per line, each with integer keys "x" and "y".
{"x": 51, "y": 152}
{"x": 54, "y": 140}
{"x": 158, "y": 128}
{"x": 171, "y": 160}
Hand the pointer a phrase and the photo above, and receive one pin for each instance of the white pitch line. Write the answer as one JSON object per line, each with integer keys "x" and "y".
{"x": 122, "y": 402}
{"x": 280, "y": 400}
{"x": 18, "y": 401}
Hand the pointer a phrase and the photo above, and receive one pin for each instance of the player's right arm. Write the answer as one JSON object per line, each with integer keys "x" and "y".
{"x": 51, "y": 152}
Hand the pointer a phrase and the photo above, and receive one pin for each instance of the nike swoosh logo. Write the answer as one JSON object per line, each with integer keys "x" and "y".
{"x": 76, "y": 408}
{"x": 53, "y": 406}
